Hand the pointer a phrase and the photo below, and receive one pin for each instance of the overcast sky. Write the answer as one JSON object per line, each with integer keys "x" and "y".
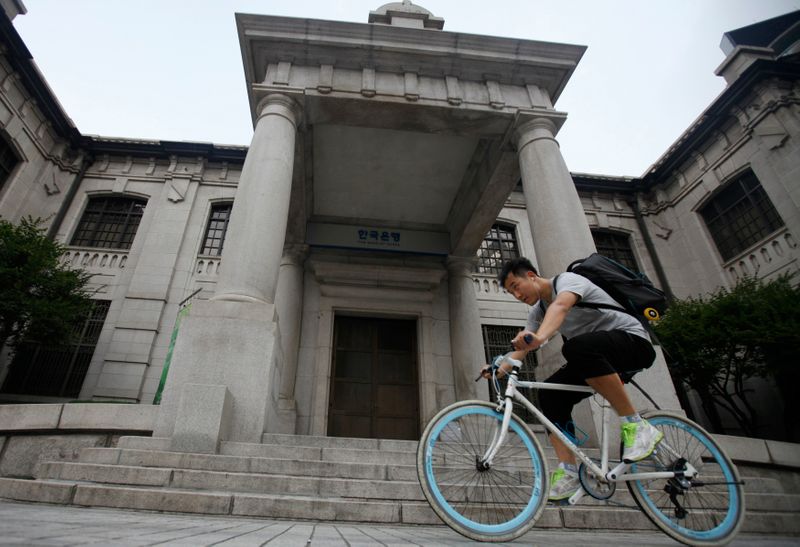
{"x": 172, "y": 69}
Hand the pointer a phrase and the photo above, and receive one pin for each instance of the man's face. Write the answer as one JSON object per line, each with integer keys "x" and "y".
{"x": 523, "y": 288}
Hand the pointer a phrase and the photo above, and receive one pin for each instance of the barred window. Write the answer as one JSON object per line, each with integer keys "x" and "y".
{"x": 499, "y": 246}
{"x": 497, "y": 341}
{"x": 617, "y": 246}
{"x": 57, "y": 371}
{"x": 109, "y": 222}
{"x": 740, "y": 215}
{"x": 8, "y": 160}
{"x": 216, "y": 229}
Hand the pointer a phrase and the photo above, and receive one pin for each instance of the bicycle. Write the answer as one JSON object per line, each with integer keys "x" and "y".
{"x": 484, "y": 473}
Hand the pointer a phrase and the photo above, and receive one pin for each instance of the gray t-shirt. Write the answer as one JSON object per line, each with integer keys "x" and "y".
{"x": 582, "y": 320}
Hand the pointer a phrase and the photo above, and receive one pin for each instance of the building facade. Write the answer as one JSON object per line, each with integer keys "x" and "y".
{"x": 337, "y": 276}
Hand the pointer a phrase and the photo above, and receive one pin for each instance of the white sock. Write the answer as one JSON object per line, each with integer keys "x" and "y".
{"x": 570, "y": 468}
{"x": 631, "y": 419}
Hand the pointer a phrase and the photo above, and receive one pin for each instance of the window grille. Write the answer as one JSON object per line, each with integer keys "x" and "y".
{"x": 616, "y": 246}
{"x": 216, "y": 229}
{"x": 740, "y": 215}
{"x": 8, "y": 160}
{"x": 497, "y": 341}
{"x": 109, "y": 222}
{"x": 499, "y": 246}
{"x": 57, "y": 371}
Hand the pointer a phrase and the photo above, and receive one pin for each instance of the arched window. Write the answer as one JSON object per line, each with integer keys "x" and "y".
{"x": 740, "y": 215}
{"x": 216, "y": 229}
{"x": 499, "y": 246}
{"x": 8, "y": 160}
{"x": 109, "y": 222}
{"x": 617, "y": 246}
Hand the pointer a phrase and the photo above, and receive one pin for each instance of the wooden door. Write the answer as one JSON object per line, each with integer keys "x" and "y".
{"x": 374, "y": 388}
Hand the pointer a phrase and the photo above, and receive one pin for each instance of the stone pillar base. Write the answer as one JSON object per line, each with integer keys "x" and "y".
{"x": 285, "y": 419}
{"x": 233, "y": 345}
{"x": 202, "y": 419}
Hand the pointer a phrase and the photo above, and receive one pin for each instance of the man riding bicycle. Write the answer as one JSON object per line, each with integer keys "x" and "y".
{"x": 599, "y": 345}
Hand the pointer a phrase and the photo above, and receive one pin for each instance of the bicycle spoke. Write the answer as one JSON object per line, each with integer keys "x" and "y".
{"x": 705, "y": 508}
{"x": 473, "y": 494}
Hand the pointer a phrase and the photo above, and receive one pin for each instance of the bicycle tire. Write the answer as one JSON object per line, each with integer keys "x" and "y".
{"x": 496, "y": 504}
{"x": 713, "y": 501}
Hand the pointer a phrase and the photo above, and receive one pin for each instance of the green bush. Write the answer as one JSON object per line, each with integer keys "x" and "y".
{"x": 40, "y": 297}
{"x": 715, "y": 343}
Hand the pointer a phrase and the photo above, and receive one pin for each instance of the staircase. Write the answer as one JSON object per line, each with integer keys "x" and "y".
{"x": 326, "y": 478}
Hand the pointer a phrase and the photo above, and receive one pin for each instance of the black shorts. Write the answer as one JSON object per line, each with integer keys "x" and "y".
{"x": 588, "y": 356}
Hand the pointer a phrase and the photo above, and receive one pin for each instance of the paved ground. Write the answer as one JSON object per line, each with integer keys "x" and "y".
{"x": 36, "y": 524}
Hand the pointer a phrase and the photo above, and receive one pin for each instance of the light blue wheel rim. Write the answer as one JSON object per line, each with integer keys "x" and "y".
{"x": 729, "y": 522}
{"x": 487, "y": 529}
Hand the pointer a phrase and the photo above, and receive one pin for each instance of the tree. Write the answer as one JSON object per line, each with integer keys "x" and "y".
{"x": 716, "y": 343}
{"x": 41, "y": 298}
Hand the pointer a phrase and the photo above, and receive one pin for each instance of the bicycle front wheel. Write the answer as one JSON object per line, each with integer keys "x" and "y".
{"x": 498, "y": 502}
{"x": 707, "y": 509}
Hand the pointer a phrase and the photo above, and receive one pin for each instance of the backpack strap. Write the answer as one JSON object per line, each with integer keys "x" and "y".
{"x": 601, "y": 307}
{"x": 591, "y": 305}
{"x": 555, "y": 289}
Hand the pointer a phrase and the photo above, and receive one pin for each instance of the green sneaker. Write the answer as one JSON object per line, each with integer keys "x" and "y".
{"x": 562, "y": 484}
{"x": 639, "y": 439}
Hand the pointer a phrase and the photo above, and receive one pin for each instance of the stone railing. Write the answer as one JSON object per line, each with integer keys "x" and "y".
{"x": 487, "y": 287}
{"x": 207, "y": 267}
{"x": 765, "y": 259}
{"x": 96, "y": 260}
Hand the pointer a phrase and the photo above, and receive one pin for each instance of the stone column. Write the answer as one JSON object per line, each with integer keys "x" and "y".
{"x": 558, "y": 224}
{"x": 257, "y": 229}
{"x": 289, "y": 305}
{"x": 228, "y": 350}
{"x": 561, "y": 234}
{"x": 466, "y": 340}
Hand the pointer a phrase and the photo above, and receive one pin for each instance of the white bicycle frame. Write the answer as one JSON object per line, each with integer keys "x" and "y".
{"x": 618, "y": 474}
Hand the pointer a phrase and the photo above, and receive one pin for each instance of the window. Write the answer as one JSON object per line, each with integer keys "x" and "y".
{"x": 216, "y": 229}
{"x": 109, "y": 222}
{"x": 740, "y": 215}
{"x": 499, "y": 246}
{"x": 615, "y": 245}
{"x": 8, "y": 160}
{"x": 57, "y": 371}
{"x": 497, "y": 341}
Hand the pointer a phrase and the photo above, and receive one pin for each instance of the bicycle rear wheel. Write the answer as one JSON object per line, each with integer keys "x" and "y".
{"x": 705, "y": 510}
{"x": 496, "y": 503}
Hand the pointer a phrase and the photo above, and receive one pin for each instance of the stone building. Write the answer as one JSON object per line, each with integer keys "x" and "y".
{"x": 338, "y": 273}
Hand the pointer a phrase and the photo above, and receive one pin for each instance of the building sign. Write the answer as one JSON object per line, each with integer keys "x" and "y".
{"x": 355, "y": 236}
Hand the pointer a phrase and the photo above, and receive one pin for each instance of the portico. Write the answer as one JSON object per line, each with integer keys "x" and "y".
{"x": 382, "y": 154}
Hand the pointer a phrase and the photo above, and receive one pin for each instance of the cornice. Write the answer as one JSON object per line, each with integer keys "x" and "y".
{"x": 708, "y": 121}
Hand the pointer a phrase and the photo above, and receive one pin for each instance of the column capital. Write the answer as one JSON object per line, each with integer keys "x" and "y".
{"x": 294, "y": 254}
{"x": 281, "y": 105}
{"x": 533, "y": 130}
{"x": 461, "y": 266}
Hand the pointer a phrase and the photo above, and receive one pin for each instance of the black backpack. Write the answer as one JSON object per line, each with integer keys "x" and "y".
{"x": 635, "y": 293}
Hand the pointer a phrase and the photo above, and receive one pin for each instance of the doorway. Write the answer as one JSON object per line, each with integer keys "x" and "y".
{"x": 374, "y": 388}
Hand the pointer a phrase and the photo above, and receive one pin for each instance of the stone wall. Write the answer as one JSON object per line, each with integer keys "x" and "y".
{"x": 30, "y": 434}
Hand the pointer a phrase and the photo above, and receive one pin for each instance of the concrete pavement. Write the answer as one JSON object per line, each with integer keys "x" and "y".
{"x": 38, "y": 524}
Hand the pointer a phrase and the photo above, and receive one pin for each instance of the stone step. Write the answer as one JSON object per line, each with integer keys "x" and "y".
{"x": 318, "y": 486}
{"x": 244, "y": 464}
{"x": 316, "y": 468}
{"x": 339, "y": 442}
{"x": 237, "y": 482}
{"x": 333, "y": 509}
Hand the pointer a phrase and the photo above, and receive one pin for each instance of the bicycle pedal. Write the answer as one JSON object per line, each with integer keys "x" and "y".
{"x": 559, "y": 503}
